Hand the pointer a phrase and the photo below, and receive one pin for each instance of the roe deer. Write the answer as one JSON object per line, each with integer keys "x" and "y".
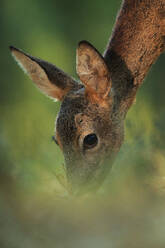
{"x": 90, "y": 123}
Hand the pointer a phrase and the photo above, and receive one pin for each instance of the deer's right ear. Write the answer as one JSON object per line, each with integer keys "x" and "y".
{"x": 93, "y": 72}
{"x": 47, "y": 77}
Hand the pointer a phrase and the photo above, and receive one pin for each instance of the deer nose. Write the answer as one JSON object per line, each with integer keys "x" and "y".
{"x": 81, "y": 176}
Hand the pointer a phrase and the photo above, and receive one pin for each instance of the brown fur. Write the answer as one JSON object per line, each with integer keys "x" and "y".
{"x": 93, "y": 71}
{"x": 48, "y": 78}
{"x": 137, "y": 40}
{"x": 98, "y": 105}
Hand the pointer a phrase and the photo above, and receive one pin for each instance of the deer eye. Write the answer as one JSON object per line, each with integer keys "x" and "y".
{"x": 90, "y": 141}
{"x": 54, "y": 139}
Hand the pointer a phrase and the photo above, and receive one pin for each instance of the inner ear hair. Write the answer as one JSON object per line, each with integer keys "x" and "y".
{"x": 93, "y": 70}
{"x": 47, "y": 77}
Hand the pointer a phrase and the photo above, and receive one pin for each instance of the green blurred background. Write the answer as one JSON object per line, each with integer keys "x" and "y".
{"x": 30, "y": 162}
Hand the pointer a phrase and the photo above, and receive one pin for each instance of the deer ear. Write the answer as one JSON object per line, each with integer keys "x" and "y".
{"x": 92, "y": 70}
{"x": 47, "y": 77}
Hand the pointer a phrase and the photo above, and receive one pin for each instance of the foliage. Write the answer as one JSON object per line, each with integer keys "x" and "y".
{"x": 30, "y": 163}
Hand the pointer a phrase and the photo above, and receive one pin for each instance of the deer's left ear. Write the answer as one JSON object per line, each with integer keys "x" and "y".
{"x": 47, "y": 77}
{"x": 93, "y": 71}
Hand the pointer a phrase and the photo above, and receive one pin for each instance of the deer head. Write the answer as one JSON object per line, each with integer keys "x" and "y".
{"x": 90, "y": 123}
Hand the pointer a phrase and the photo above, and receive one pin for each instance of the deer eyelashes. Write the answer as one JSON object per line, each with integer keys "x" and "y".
{"x": 86, "y": 138}
{"x": 90, "y": 141}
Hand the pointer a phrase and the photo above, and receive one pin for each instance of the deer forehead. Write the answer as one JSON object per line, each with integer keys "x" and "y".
{"x": 78, "y": 116}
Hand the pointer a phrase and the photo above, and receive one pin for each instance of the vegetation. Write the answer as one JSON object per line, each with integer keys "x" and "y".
{"x": 36, "y": 210}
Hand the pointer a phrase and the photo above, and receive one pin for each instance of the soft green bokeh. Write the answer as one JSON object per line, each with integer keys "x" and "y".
{"x": 30, "y": 162}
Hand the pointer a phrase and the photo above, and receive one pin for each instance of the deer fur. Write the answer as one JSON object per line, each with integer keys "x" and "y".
{"x": 90, "y": 123}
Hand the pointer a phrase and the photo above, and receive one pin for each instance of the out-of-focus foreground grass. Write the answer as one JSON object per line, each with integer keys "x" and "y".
{"x": 35, "y": 210}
